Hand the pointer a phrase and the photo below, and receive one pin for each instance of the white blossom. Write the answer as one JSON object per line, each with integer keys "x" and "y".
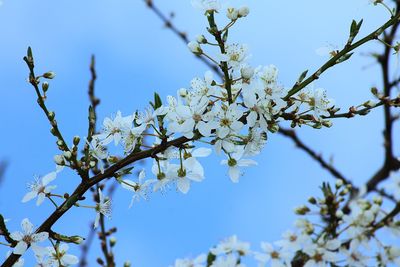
{"x": 28, "y": 238}
{"x": 102, "y": 207}
{"x": 40, "y": 188}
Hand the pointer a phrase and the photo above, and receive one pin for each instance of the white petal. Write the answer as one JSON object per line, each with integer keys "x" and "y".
{"x": 39, "y": 250}
{"x": 27, "y": 226}
{"x": 48, "y": 178}
{"x": 222, "y": 132}
{"x": 201, "y": 152}
{"x": 184, "y": 112}
{"x": 234, "y": 174}
{"x": 96, "y": 220}
{"x": 17, "y": 236}
{"x": 39, "y": 237}
{"x": 20, "y": 248}
{"x": 247, "y": 162}
{"x": 29, "y": 196}
{"x": 183, "y": 185}
{"x": 40, "y": 199}
{"x": 69, "y": 259}
{"x": 251, "y": 119}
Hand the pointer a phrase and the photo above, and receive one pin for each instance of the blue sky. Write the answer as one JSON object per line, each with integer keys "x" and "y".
{"x": 137, "y": 56}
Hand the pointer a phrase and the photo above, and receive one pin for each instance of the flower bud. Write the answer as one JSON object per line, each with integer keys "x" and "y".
{"x": 76, "y": 140}
{"x": 377, "y": 200}
{"x": 327, "y": 123}
{"x": 243, "y": 11}
{"x": 302, "y": 210}
{"x": 344, "y": 192}
{"x": 127, "y": 264}
{"x": 113, "y": 241}
{"x": 67, "y": 154}
{"x": 45, "y": 86}
{"x": 183, "y": 92}
{"x": 312, "y": 200}
{"x": 77, "y": 239}
{"x": 369, "y": 104}
{"x": 49, "y": 75}
{"x": 60, "y": 142}
{"x": 59, "y": 160}
{"x": 232, "y": 13}
{"x": 195, "y": 48}
{"x": 338, "y": 183}
{"x": 112, "y": 159}
{"x": 247, "y": 72}
{"x": 339, "y": 214}
{"x": 201, "y": 39}
{"x": 51, "y": 115}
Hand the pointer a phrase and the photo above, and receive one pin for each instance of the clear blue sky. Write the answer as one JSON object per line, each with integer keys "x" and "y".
{"x": 137, "y": 56}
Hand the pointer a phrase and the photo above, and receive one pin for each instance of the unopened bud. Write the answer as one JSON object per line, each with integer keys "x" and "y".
{"x": 59, "y": 160}
{"x": 243, "y": 11}
{"x": 183, "y": 92}
{"x": 273, "y": 128}
{"x": 374, "y": 91}
{"x": 378, "y": 200}
{"x": 77, "y": 239}
{"x": 312, "y": 200}
{"x": 247, "y": 72}
{"x": 127, "y": 264}
{"x": 369, "y": 104}
{"x": 51, "y": 115}
{"x": 339, "y": 214}
{"x": 302, "y": 210}
{"x": 338, "y": 183}
{"x": 76, "y": 140}
{"x": 49, "y": 75}
{"x": 60, "y": 143}
{"x": 67, "y": 154}
{"x": 45, "y": 86}
{"x": 327, "y": 123}
{"x": 112, "y": 159}
{"x": 195, "y": 48}
{"x": 232, "y": 13}
{"x": 201, "y": 39}
{"x": 344, "y": 192}
{"x": 113, "y": 241}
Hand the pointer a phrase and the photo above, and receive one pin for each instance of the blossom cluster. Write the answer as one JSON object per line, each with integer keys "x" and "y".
{"x": 334, "y": 238}
{"x": 233, "y": 115}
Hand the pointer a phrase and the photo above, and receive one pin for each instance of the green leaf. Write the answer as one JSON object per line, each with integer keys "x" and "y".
{"x": 210, "y": 259}
{"x": 157, "y": 101}
{"x": 344, "y": 58}
{"x": 29, "y": 52}
{"x": 225, "y": 36}
{"x": 302, "y": 76}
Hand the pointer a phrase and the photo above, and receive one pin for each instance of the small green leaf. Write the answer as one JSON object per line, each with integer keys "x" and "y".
{"x": 302, "y": 76}
{"x": 225, "y": 36}
{"x": 157, "y": 101}
{"x": 29, "y": 52}
{"x": 344, "y": 58}
{"x": 210, "y": 259}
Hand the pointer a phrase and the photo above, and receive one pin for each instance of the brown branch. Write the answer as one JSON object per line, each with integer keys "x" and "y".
{"x": 390, "y": 162}
{"x": 85, "y": 185}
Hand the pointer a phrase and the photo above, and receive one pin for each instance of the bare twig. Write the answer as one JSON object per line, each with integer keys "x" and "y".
{"x": 182, "y": 35}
